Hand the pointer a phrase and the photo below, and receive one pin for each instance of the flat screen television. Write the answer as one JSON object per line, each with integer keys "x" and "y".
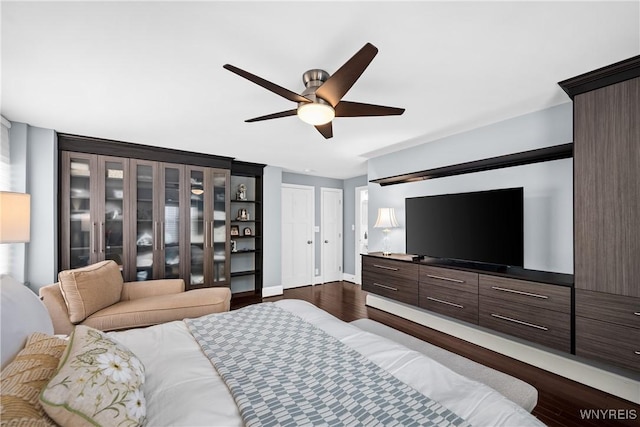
{"x": 480, "y": 227}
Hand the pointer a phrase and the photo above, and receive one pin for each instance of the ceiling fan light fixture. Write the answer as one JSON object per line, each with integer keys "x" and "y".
{"x": 316, "y": 113}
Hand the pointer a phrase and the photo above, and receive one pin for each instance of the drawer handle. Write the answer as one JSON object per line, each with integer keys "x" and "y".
{"x": 445, "y": 302}
{"x": 513, "y": 291}
{"x": 520, "y": 322}
{"x": 385, "y": 267}
{"x": 637, "y": 352}
{"x": 637, "y": 313}
{"x": 385, "y": 286}
{"x": 449, "y": 279}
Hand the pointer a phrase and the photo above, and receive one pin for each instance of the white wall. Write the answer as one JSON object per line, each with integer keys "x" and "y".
{"x": 548, "y": 186}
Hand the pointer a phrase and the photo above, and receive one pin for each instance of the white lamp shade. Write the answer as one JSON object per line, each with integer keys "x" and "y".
{"x": 316, "y": 113}
{"x": 386, "y": 218}
{"x": 15, "y": 217}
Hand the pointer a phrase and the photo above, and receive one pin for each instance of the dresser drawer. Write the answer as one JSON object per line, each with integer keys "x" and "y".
{"x": 389, "y": 286}
{"x": 622, "y": 310}
{"x": 400, "y": 269}
{"x": 546, "y": 327}
{"x": 616, "y": 344}
{"x": 534, "y": 294}
{"x": 453, "y": 279}
{"x": 443, "y": 300}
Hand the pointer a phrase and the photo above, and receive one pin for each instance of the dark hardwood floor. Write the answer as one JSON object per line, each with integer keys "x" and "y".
{"x": 560, "y": 400}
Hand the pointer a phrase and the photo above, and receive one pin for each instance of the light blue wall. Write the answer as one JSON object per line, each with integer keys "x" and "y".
{"x": 548, "y": 186}
{"x": 34, "y": 166}
{"x": 272, "y": 229}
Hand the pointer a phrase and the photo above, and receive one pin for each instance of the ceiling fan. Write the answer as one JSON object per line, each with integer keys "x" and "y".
{"x": 321, "y": 101}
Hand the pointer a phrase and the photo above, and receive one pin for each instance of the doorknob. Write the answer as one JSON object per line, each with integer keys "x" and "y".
{"x": 309, "y": 242}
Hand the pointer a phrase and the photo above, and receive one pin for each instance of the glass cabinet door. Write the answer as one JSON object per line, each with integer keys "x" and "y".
{"x": 169, "y": 228}
{"x": 82, "y": 248}
{"x": 219, "y": 225}
{"x": 111, "y": 231}
{"x": 144, "y": 222}
{"x": 198, "y": 226}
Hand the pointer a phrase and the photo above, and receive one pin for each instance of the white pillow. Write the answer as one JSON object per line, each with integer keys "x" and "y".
{"x": 22, "y": 313}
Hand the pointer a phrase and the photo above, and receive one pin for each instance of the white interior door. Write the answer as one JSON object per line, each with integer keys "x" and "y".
{"x": 362, "y": 229}
{"x": 331, "y": 231}
{"x": 298, "y": 251}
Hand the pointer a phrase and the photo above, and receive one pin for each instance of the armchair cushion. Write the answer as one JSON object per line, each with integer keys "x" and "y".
{"x": 160, "y": 308}
{"x": 151, "y": 288}
{"x": 89, "y": 289}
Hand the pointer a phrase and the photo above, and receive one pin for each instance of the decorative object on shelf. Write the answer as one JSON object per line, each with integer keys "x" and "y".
{"x": 243, "y": 215}
{"x": 14, "y": 217}
{"x": 234, "y": 246}
{"x": 235, "y": 230}
{"x": 247, "y": 231}
{"x": 386, "y": 220}
{"x": 115, "y": 173}
{"x": 242, "y": 192}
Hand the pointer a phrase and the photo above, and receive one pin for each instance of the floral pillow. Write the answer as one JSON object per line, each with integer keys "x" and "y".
{"x": 98, "y": 382}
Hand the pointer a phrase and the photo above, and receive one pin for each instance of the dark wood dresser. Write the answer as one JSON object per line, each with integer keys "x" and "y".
{"x": 532, "y": 305}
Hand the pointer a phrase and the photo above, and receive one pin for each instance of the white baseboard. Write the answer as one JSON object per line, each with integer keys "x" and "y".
{"x": 610, "y": 382}
{"x": 349, "y": 277}
{"x": 317, "y": 280}
{"x": 272, "y": 291}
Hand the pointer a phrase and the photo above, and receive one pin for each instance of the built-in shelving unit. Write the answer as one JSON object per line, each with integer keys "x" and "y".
{"x": 546, "y": 154}
{"x": 246, "y": 213}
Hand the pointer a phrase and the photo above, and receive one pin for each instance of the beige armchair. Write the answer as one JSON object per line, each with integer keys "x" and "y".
{"x": 96, "y": 296}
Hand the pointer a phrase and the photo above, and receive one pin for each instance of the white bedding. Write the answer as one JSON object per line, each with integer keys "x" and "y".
{"x": 183, "y": 389}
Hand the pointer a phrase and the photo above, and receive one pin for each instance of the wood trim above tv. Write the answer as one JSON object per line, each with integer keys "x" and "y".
{"x": 546, "y": 154}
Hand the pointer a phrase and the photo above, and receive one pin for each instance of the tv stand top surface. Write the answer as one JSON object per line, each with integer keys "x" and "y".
{"x": 561, "y": 279}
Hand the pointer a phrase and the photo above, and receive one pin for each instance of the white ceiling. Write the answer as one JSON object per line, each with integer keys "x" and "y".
{"x": 151, "y": 72}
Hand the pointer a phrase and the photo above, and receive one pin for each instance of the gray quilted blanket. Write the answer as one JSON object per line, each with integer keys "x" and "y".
{"x": 283, "y": 371}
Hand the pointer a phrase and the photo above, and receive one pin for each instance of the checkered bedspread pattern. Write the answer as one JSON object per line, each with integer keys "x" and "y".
{"x": 284, "y": 371}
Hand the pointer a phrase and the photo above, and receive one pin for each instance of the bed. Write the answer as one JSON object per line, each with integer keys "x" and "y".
{"x": 182, "y": 388}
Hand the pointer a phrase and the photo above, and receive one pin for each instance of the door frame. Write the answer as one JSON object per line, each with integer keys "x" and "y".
{"x": 311, "y": 230}
{"x": 340, "y": 254}
{"x": 358, "y": 213}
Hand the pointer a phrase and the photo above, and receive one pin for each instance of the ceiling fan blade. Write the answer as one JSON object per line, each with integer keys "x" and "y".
{"x": 341, "y": 81}
{"x": 357, "y": 109}
{"x": 278, "y": 90}
{"x": 326, "y": 130}
{"x": 273, "y": 116}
